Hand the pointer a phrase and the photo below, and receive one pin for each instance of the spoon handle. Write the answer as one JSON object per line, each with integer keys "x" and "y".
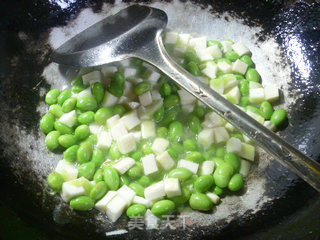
{"x": 303, "y": 166}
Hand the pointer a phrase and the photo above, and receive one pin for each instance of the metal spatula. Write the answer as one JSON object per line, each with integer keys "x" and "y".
{"x": 136, "y": 32}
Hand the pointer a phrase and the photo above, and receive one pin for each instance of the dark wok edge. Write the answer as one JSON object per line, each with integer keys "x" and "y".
{"x": 37, "y": 21}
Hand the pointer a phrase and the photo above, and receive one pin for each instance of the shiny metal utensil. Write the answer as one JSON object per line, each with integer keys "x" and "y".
{"x": 136, "y": 32}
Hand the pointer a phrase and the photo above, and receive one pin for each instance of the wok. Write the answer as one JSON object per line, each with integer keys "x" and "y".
{"x": 285, "y": 41}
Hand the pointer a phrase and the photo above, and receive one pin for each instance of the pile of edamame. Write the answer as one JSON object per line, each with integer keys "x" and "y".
{"x": 132, "y": 140}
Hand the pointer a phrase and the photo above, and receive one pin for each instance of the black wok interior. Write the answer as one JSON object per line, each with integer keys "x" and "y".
{"x": 24, "y": 52}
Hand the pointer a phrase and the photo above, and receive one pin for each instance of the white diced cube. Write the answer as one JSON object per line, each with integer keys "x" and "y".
{"x": 253, "y": 85}
{"x": 185, "y": 97}
{"x": 126, "y": 194}
{"x": 143, "y": 201}
{"x": 239, "y": 67}
{"x": 256, "y": 117}
{"x": 145, "y": 99}
{"x": 212, "y": 119}
{"x": 151, "y": 220}
{"x": 109, "y": 100}
{"x": 133, "y": 105}
{"x": 230, "y": 127}
{"x": 179, "y": 50}
{"x": 233, "y": 95}
{"x": 101, "y": 205}
{"x": 127, "y": 89}
{"x": 155, "y": 95}
{"x": 184, "y": 38}
{"x": 224, "y": 67}
{"x": 247, "y": 151}
{"x": 74, "y": 188}
{"x": 226, "y": 46}
{"x": 124, "y": 165}
{"x": 104, "y": 140}
{"x": 247, "y": 139}
{"x": 230, "y": 81}
{"x": 118, "y": 130}
{"x": 85, "y": 92}
{"x": 148, "y": 129}
{"x": 129, "y": 72}
{"x": 123, "y": 99}
{"x": 210, "y": 70}
{"x": 234, "y": 145}
{"x": 165, "y": 160}
{"x": 200, "y": 42}
{"x": 69, "y": 119}
{"x": 193, "y": 167}
{"x": 221, "y": 134}
{"x": 271, "y": 93}
{"x": 91, "y": 78}
{"x": 187, "y": 108}
{"x": 171, "y": 37}
{"x": 130, "y": 120}
{"x": 124, "y": 63}
{"x": 126, "y": 143}
{"x": 153, "y": 77}
{"x": 154, "y": 107}
{"x": 143, "y": 113}
{"x": 149, "y": 164}
{"x": 108, "y": 70}
{"x": 95, "y": 128}
{"x": 245, "y": 167}
{"x": 67, "y": 170}
{"x": 206, "y": 137}
{"x": 137, "y": 135}
{"x": 241, "y": 49}
{"x": 203, "y": 54}
{"x": 270, "y": 125}
{"x": 113, "y": 121}
{"x": 215, "y": 51}
{"x": 213, "y": 197}
{"x": 155, "y": 191}
{"x": 135, "y": 80}
{"x": 207, "y": 167}
{"x": 172, "y": 187}
{"x": 159, "y": 145}
{"x": 115, "y": 208}
{"x": 256, "y": 95}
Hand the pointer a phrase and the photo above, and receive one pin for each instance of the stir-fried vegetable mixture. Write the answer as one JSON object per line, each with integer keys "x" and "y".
{"x": 134, "y": 141}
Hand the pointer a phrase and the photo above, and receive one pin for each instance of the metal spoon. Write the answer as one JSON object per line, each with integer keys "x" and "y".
{"x": 136, "y": 32}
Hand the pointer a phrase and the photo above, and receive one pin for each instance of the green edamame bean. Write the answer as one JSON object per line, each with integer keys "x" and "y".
{"x": 124, "y": 180}
{"x": 102, "y": 115}
{"x": 266, "y": 110}
{"x": 51, "y": 140}
{"x": 278, "y": 117}
{"x": 239, "y": 77}
{"x": 170, "y": 101}
{"x": 203, "y": 183}
{"x": 244, "y": 101}
{"x": 78, "y": 88}
{"x": 236, "y": 182}
{"x": 252, "y": 75}
{"x": 246, "y": 59}
{"x": 211, "y": 151}
{"x": 217, "y": 190}
{"x": 55, "y": 181}
{"x": 254, "y": 110}
{"x": 119, "y": 77}
{"x": 97, "y": 157}
{"x": 82, "y": 132}
{"x": 77, "y": 81}
{"x": 62, "y": 128}
{"x": 183, "y": 198}
{"x": 93, "y": 139}
{"x": 98, "y": 91}
{"x": 82, "y": 203}
{"x": 225, "y": 168}
{"x": 137, "y": 155}
{"x": 191, "y": 56}
{"x": 173, "y": 153}
{"x": 233, "y": 160}
{"x": 136, "y": 170}
{"x": 139, "y": 189}
{"x": 136, "y": 210}
{"x": 223, "y": 174}
{"x": 200, "y": 201}
{"x": 170, "y": 115}
{"x": 115, "y": 89}
{"x": 244, "y": 87}
{"x": 177, "y": 147}
{"x": 190, "y": 145}
{"x": 114, "y": 152}
{"x": 194, "y": 156}
{"x": 87, "y": 103}
{"x": 87, "y": 170}
{"x": 212, "y": 42}
{"x": 111, "y": 178}
{"x": 193, "y": 68}
{"x": 98, "y": 191}
{"x": 119, "y": 109}
{"x": 86, "y": 117}
{"x": 69, "y": 104}
{"x": 217, "y": 161}
{"x": 142, "y": 87}
{"x": 98, "y": 176}
{"x": 136, "y": 62}
{"x": 163, "y": 207}
{"x": 84, "y": 152}
{"x": 181, "y": 173}
{"x": 52, "y": 96}
{"x": 46, "y": 123}
{"x": 175, "y": 131}
{"x": 64, "y": 95}
{"x": 199, "y": 111}
{"x": 158, "y": 115}
{"x": 194, "y": 124}
{"x": 145, "y": 147}
{"x": 70, "y": 154}
{"x": 162, "y": 132}
{"x": 144, "y": 181}
{"x": 220, "y": 152}
{"x": 237, "y": 135}
{"x": 56, "y": 110}
{"x": 232, "y": 55}
{"x": 165, "y": 89}
{"x": 67, "y": 140}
